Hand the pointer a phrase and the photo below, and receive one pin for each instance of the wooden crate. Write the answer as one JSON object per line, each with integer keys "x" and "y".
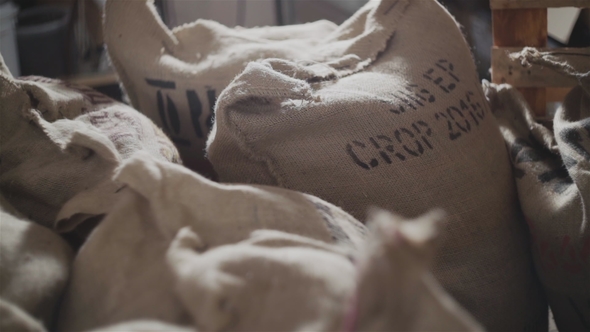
{"x": 520, "y": 23}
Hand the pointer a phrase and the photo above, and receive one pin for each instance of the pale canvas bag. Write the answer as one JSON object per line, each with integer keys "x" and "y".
{"x": 120, "y": 273}
{"x": 390, "y": 113}
{"x": 276, "y": 281}
{"x": 58, "y": 140}
{"x": 34, "y": 270}
{"x": 552, "y": 172}
{"x": 174, "y": 77}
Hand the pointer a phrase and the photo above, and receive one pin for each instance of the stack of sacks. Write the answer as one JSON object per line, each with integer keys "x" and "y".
{"x": 120, "y": 273}
{"x": 275, "y": 281}
{"x": 174, "y": 77}
{"x": 34, "y": 270}
{"x": 62, "y": 141}
{"x": 552, "y": 172}
{"x": 261, "y": 259}
{"x": 388, "y": 111}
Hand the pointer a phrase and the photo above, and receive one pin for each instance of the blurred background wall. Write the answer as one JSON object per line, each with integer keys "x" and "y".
{"x": 63, "y": 38}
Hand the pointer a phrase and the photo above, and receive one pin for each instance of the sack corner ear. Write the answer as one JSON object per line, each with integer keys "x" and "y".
{"x": 68, "y": 224}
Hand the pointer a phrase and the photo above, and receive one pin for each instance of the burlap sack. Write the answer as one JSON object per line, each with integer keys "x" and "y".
{"x": 552, "y": 172}
{"x": 277, "y": 281}
{"x": 120, "y": 273}
{"x": 281, "y": 282}
{"x": 391, "y": 114}
{"x": 34, "y": 270}
{"x": 396, "y": 290}
{"x": 58, "y": 140}
{"x": 174, "y": 77}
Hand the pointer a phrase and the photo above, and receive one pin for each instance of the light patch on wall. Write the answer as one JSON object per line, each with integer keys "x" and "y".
{"x": 248, "y": 13}
{"x": 561, "y": 22}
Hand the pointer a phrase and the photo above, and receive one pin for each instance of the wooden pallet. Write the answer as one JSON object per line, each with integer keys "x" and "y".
{"x": 520, "y": 23}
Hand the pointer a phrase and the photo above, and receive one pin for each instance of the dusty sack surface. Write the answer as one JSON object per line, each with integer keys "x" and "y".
{"x": 175, "y": 76}
{"x": 552, "y": 173}
{"x": 297, "y": 283}
{"x": 390, "y": 113}
{"x": 61, "y": 143}
{"x": 34, "y": 269}
{"x": 120, "y": 274}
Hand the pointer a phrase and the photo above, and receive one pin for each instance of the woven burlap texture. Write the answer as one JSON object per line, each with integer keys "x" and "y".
{"x": 390, "y": 113}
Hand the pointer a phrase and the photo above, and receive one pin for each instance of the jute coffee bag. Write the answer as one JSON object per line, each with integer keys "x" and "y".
{"x": 395, "y": 287}
{"x": 274, "y": 281}
{"x": 34, "y": 270}
{"x": 301, "y": 284}
{"x": 174, "y": 77}
{"x": 59, "y": 140}
{"x": 552, "y": 171}
{"x": 120, "y": 273}
{"x": 390, "y": 113}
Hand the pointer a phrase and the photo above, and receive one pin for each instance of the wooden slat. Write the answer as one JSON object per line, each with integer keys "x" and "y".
{"x": 557, "y": 94}
{"x": 505, "y": 70}
{"x": 518, "y": 28}
{"x": 506, "y": 4}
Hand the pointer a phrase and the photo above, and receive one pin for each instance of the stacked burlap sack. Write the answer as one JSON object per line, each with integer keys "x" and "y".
{"x": 34, "y": 270}
{"x": 552, "y": 172}
{"x": 384, "y": 110}
{"x": 61, "y": 142}
{"x": 120, "y": 273}
{"x": 175, "y": 77}
{"x": 59, "y": 147}
{"x": 387, "y": 110}
{"x": 180, "y": 249}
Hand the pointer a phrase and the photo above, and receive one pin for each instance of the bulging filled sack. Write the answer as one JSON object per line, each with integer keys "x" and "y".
{"x": 276, "y": 281}
{"x": 60, "y": 140}
{"x": 552, "y": 172}
{"x": 174, "y": 77}
{"x": 390, "y": 113}
{"x": 34, "y": 270}
{"x": 120, "y": 273}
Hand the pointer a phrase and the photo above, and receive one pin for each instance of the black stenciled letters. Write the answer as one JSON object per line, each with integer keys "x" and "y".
{"x": 162, "y": 109}
{"x": 355, "y": 158}
{"x": 169, "y": 112}
{"x": 574, "y": 137}
{"x": 453, "y": 135}
{"x": 412, "y": 98}
{"x": 412, "y": 141}
{"x": 389, "y": 147}
{"x": 173, "y": 115}
{"x": 476, "y": 108}
{"x": 427, "y": 132}
{"x": 456, "y": 116}
{"x": 434, "y": 75}
{"x": 464, "y": 128}
{"x": 398, "y": 136}
{"x": 523, "y": 151}
{"x": 196, "y": 109}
